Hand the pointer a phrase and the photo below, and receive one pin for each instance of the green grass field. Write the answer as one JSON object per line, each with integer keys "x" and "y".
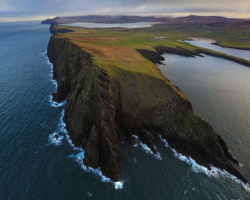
{"x": 117, "y": 47}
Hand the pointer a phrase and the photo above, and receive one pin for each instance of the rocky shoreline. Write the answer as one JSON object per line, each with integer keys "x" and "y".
{"x": 160, "y": 50}
{"x": 99, "y": 118}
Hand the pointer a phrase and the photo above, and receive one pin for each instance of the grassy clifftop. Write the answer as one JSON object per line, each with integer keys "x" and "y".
{"x": 114, "y": 90}
{"x": 118, "y": 47}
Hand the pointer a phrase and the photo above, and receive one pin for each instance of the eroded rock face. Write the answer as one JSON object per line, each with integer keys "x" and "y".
{"x": 103, "y": 110}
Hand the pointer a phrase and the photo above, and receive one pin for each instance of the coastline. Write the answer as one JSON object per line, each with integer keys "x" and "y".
{"x": 228, "y": 46}
{"x": 197, "y": 52}
{"x": 215, "y": 172}
{"x": 174, "y": 142}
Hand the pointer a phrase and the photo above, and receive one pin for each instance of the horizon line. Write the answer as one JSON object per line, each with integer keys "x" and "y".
{"x": 173, "y": 15}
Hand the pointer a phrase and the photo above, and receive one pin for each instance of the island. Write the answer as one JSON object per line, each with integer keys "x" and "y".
{"x": 114, "y": 91}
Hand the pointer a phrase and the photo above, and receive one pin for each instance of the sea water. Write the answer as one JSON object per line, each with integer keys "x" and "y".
{"x": 33, "y": 165}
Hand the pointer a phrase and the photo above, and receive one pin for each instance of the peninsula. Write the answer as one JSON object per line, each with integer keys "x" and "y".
{"x": 114, "y": 90}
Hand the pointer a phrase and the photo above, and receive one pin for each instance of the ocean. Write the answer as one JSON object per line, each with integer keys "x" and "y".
{"x": 35, "y": 166}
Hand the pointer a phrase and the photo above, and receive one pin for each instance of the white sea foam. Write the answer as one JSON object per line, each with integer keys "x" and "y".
{"x": 44, "y": 53}
{"x": 54, "y": 140}
{"x": 62, "y": 129}
{"x": 54, "y": 103}
{"x": 145, "y": 148}
{"x": 164, "y": 141}
{"x": 79, "y": 156}
{"x": 51, "y": 69}
{"x": 119, "y": 184}
{"x": 54, "y": 83}
{"x": 215, "y": 172}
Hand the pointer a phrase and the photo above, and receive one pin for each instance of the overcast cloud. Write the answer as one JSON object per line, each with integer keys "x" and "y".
{"x": 36, "y": 8}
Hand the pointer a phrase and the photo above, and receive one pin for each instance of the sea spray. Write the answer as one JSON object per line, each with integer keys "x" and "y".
{"x": 52, "y": 103}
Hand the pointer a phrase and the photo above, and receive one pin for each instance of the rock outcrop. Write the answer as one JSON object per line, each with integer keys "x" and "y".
{"x": 102, "y": 110}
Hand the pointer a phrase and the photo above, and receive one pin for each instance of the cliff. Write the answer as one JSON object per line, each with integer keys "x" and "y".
{"x": 105, "y": 108}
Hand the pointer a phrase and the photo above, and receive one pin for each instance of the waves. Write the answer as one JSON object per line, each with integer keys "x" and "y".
{"x": 51, "y": 70}
{"x": 145, "y": 148}
{"x": 215, "y": 172}
{"x": 54, "y": 103}
{"x": 78, "y": 154}
{"x": 51, "y": 102}
{"x": 79, "y": 158}
{"x": 56, "y": 138}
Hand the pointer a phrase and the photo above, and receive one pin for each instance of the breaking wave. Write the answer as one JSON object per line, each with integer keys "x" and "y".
{"x": 145, "y": 148}
{"x": 79, "y": 156}
{"x": 54, "y": 103}
{"x": 215, "y": 172}
{"x": 51, "y": 70}
{"x": 55, "y": 139}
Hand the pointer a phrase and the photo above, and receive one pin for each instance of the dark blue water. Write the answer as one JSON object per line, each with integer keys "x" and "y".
{"x": 34, "y": 167}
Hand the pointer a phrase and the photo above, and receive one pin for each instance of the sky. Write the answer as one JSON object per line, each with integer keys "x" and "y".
{"x": 13, "y": 10}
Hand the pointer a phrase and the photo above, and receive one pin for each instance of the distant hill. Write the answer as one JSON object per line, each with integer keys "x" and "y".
{"x": 191, "y": 20}
{"x": 103, "y": 19}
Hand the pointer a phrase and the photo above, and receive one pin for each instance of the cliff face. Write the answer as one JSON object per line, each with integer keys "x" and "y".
{"x": 104, "y": 109}
{"x": 92, "y": 105}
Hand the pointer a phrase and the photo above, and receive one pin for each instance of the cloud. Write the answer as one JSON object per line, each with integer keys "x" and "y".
{"x": 25, "y": 8}
{"x": 3, "y": 5}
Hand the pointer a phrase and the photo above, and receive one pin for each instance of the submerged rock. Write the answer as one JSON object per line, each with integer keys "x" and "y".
{"x": 56, "y": 136}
